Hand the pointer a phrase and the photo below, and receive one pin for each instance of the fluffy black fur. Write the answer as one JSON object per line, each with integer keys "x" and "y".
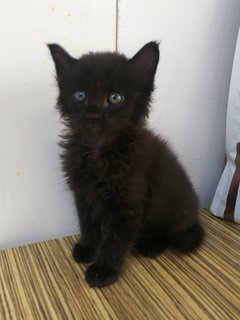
{"x": 130, "y": 190}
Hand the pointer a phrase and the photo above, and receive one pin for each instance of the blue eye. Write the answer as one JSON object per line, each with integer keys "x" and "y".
{"x": 115, "y": 98}
{"x": 80, "y": 96}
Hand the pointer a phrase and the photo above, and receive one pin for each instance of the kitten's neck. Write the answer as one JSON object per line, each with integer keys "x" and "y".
{"x": 124, "y": 138}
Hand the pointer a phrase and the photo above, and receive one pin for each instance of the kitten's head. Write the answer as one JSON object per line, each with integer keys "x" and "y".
{"x": 104, "y": 94}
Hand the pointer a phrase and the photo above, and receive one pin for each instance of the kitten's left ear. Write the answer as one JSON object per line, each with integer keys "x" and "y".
{"x": 145, "y": 61}
{"x": 61, "y": 58}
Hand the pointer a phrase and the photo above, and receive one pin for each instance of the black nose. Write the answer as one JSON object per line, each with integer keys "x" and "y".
{"x": 93, "y": 113}
{"x": 93, "y": 116}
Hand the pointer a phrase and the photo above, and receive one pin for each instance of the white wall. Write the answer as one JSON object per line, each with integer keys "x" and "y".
{"x": 34, "y": 203}
{"x": 198, "y": 42}
{"x": 190, "y": 101}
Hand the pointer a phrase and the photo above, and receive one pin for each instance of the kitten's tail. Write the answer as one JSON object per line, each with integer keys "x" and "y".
{"x": 187, "y": 241}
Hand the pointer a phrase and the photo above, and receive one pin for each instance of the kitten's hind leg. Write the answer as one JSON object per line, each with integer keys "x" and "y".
{"x": 187, "y": 241}
{"x": 151, "y": 242}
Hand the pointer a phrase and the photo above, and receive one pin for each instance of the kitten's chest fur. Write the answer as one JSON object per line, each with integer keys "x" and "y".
{"x": 113, "y": 173}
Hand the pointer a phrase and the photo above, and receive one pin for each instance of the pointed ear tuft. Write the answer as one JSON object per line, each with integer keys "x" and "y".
{"x": 145, "y": 61}
{"x": 61, "y": 58}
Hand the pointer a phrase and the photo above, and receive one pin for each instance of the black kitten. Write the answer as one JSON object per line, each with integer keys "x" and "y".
{"x": 129, "y": 188}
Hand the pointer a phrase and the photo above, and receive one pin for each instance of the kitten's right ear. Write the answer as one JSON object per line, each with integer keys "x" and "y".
{"x": 61, "y": 58}
{"x": 145, "y": 61}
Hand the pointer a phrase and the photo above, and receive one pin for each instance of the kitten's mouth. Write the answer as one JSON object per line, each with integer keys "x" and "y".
{"x": 93, "y": 124}
{"x": 93, "y": 120}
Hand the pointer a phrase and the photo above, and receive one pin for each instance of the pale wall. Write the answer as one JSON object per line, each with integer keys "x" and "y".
{"x": 197, "y": 48}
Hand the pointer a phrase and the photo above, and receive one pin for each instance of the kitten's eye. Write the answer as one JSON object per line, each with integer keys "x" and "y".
{"x": 80, "y": 96}
{"x": 115, "y": 98}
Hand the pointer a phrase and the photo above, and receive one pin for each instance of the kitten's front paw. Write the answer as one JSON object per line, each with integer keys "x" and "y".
{"x": 82, "y": 254}
{"x": 100, "y": 276}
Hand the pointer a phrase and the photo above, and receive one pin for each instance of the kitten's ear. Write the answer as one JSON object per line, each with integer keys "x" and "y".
{"x": 61, "y": 58}
{"x": 145, "y": 61}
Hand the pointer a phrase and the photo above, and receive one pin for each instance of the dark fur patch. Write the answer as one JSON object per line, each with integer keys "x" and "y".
{"x": 129, "y": 187}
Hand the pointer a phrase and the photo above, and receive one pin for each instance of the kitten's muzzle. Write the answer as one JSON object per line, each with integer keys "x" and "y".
{"x": 93, "y": 116}
{"x": 93, "y": 113}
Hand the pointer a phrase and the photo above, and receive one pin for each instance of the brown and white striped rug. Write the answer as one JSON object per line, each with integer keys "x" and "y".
{"x": 41, "y": 281}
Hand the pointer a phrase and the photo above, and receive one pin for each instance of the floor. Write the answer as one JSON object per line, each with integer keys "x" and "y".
{"x": 41, "y": 281}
